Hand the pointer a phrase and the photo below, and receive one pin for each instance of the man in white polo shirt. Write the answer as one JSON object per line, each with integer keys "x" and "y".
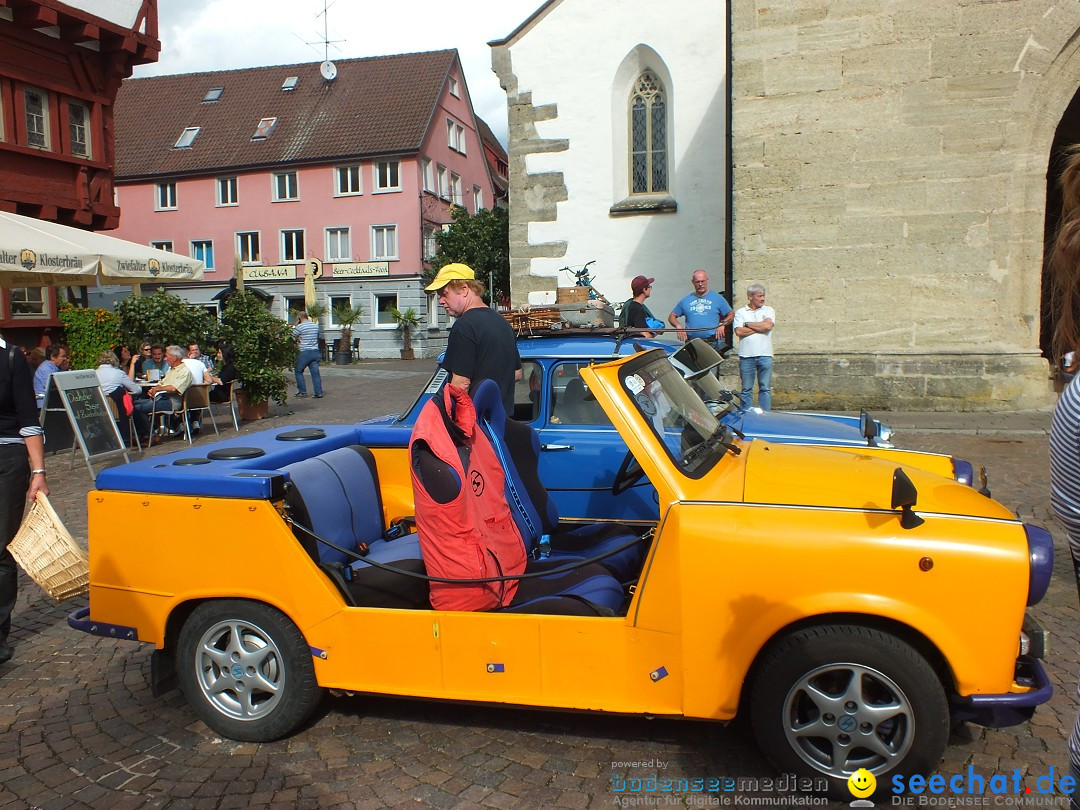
{"x": 306, "y": 333}
{"x": 754, "y": 324}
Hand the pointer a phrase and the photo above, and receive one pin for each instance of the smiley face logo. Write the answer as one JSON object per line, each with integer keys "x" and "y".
{"x": 861, "y": 783}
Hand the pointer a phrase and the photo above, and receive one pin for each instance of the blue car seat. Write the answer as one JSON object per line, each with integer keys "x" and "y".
{"x": 336, "y": 495}
{"x": 518, "y": 447}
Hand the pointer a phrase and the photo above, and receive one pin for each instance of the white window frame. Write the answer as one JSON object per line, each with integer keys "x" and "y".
{"x": 478, "y": 199}
{"x": 389, "y": 322}
{"x": 88, "y": 147}
{"x": 264, "y": 129}
{"x": 427, "y": 171}
{"x": 287, "y": 235}
{"x": 429, "y": 246}
{"x": 27, "y": 297}
{"x": 163, "y": 244}
{"x": 455, "y": 90}
{"x": 376, "y": 175}
{"x": 187, "y": 138}
{"x": 456, "y": 194}
{"x": 231, "y": 183}
{"x": 444, "y": 183}
{"x": 352, "y": 172}
{"x": 332, "y": 303}
{"x": 276, "y": 180}
{"x": 41, "y": 120}
{"x": 240, "y": 238}
{"x": 203, "y": 246}
{"x": 333, "y": 246}
{"x": 376, "y": 230}
{"x": 165, "y": 196}
{"x": 455, "y": 135}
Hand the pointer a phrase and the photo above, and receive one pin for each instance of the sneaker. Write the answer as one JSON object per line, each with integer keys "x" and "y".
{"x": 5, "y": 652}
{"x": 318, "y": 396}
{"x": 299, "y": 395}
{"x": 195, "y": 428}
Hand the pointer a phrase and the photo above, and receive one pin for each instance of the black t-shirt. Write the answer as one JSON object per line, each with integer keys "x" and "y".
{"x": 18, "y": 408}
{"x": 482, "y": 346}
{"x": 636, "y": 314}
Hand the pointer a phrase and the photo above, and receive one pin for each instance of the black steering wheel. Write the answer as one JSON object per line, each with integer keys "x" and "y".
{"x": 629, "y": 473}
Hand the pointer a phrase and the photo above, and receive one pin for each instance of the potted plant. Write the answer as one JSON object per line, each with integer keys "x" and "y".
{"x": 406, "y": 321}
{"x": 346, "y": 315}
{"x": 265, "y": 350}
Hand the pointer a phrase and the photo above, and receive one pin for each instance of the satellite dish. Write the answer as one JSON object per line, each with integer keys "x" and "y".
{"x": 328, "y": 70}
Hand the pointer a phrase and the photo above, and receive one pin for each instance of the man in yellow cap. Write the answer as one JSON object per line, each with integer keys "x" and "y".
{"x": 482, "y": 346}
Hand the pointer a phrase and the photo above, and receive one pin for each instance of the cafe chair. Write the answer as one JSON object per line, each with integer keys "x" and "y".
{"x": 230, "y": 392}
{"x": 132, "y": 434}
{"x": 166, "y": 406}
{"x": 356, "y": 348}
{"x": 196, "y": 400}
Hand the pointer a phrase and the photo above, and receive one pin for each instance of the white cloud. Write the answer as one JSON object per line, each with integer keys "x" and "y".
{"x": 203, "y": 35}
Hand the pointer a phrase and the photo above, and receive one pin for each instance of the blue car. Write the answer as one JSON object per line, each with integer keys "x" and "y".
{"x": 552, "y": 397}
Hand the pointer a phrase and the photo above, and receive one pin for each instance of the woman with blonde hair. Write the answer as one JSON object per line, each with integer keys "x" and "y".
{"x": 1065, "y": 427}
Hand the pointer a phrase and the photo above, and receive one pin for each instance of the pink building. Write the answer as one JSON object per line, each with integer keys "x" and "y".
{"x": 355, "y": 164}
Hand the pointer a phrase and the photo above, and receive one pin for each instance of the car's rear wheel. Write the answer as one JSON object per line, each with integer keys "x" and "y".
{"x": 828, "y": 701}
{"x": 246, "y": 670}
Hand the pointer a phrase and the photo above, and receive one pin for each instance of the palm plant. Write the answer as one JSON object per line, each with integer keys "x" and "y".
{"x": 346, "y": 315}
{"x": 406, "y": 321}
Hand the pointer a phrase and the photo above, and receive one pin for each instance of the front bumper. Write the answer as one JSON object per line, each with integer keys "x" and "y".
{"x": 1011, "y": 708}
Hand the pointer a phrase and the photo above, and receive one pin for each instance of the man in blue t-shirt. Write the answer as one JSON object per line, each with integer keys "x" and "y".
{"x": 707, "y": 314}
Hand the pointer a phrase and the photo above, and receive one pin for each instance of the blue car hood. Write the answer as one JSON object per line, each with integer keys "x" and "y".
{"x": 794, "y": 428}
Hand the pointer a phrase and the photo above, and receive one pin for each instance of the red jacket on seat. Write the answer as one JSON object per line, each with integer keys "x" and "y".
{"x": 466, "y": 532}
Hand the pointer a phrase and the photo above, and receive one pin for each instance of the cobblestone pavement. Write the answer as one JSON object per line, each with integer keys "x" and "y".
{"x": 79, "y": 727}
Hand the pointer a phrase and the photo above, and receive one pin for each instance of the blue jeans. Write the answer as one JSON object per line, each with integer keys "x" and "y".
{"x": 761, "y": 367}
{"x": 308, "y": 359}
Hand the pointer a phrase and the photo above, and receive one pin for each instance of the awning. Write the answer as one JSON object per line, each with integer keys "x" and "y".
{"x": 36, "y": 253}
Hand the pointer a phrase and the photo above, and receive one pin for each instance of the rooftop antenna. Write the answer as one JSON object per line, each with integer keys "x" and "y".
{"x": 328, "y": 69}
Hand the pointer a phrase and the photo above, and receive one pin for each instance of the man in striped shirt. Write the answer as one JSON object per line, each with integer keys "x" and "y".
{"x": 306, "y": 332}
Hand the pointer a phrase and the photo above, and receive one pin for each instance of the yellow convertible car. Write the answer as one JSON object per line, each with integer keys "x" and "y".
{"x": 849, "y": 604}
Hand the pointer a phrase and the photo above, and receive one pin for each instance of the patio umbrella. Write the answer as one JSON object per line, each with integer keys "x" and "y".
{"x": 312, "y": 269}
{"x": 36, "y": 253}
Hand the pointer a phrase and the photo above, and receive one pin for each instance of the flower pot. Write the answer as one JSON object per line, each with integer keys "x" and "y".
{"x": 249, "y": 411}
{"x": 342, "y": 358}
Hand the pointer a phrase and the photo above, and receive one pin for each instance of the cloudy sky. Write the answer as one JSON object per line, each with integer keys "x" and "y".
{"x": 198, "y": 35}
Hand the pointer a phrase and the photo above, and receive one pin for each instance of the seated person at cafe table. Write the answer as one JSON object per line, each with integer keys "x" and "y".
{"x": 172, "y": 386}
{"x": 114, "y": 383}
{"x": 155, "y": 362}
{"x": 226, "y": 362}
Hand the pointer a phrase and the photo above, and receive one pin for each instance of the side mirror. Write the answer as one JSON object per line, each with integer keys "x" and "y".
{"x": 904, "y": 497}
{"x": 868, "y": 428}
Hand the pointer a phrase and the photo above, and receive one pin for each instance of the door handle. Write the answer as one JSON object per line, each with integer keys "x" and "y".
{"x": 556, "y": 447}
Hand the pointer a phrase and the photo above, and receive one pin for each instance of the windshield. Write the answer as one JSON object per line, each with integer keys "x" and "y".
{"x": 692, "y": 436}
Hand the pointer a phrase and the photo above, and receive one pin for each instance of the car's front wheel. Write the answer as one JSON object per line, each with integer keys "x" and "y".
{"x": 829, "y": 701}
{"x": 246, "y": 670}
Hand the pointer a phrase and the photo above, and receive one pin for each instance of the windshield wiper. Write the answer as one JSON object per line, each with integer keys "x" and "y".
{"x": 721, "y": 436}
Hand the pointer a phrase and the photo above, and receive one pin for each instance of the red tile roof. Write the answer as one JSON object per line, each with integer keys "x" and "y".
{"x": 376, "y": 105}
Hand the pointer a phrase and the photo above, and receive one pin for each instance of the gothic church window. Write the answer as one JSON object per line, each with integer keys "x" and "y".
{"x": 648, "y": 136}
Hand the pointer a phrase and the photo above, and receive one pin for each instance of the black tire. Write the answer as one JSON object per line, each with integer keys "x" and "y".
{"x": 272, "y": 689}
{"x": 889, "y": 713}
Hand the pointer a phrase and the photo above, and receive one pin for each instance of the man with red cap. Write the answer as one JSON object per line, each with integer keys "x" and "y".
{"x": 636, "y": 314}
{"x": 482, "y": 346}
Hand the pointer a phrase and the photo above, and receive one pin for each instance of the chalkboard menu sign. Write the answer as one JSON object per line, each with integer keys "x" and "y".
{"x": 76, "y": 412}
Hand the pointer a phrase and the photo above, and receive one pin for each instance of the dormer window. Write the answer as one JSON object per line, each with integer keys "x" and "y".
{"x": 187, "y": 137}
{"x": 263, "y": 130}
{"x": 290, "y": 83}
{"x": 213, "y": 94}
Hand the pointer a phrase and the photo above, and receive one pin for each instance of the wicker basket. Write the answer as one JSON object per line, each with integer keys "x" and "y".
{"x": 49, "y": 554}
{"x": 527, "y": 320}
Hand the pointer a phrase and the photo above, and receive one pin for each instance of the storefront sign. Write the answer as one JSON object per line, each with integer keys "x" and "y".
{"x": 361, "y": 269}
{"x": 271, "y": 273}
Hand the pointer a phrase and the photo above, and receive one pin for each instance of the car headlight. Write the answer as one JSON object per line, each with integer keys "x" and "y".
{"x": 1040, "y": 562}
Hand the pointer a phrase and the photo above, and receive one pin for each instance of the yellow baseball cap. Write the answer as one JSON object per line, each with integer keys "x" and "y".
{"x": 455, "y": 271}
